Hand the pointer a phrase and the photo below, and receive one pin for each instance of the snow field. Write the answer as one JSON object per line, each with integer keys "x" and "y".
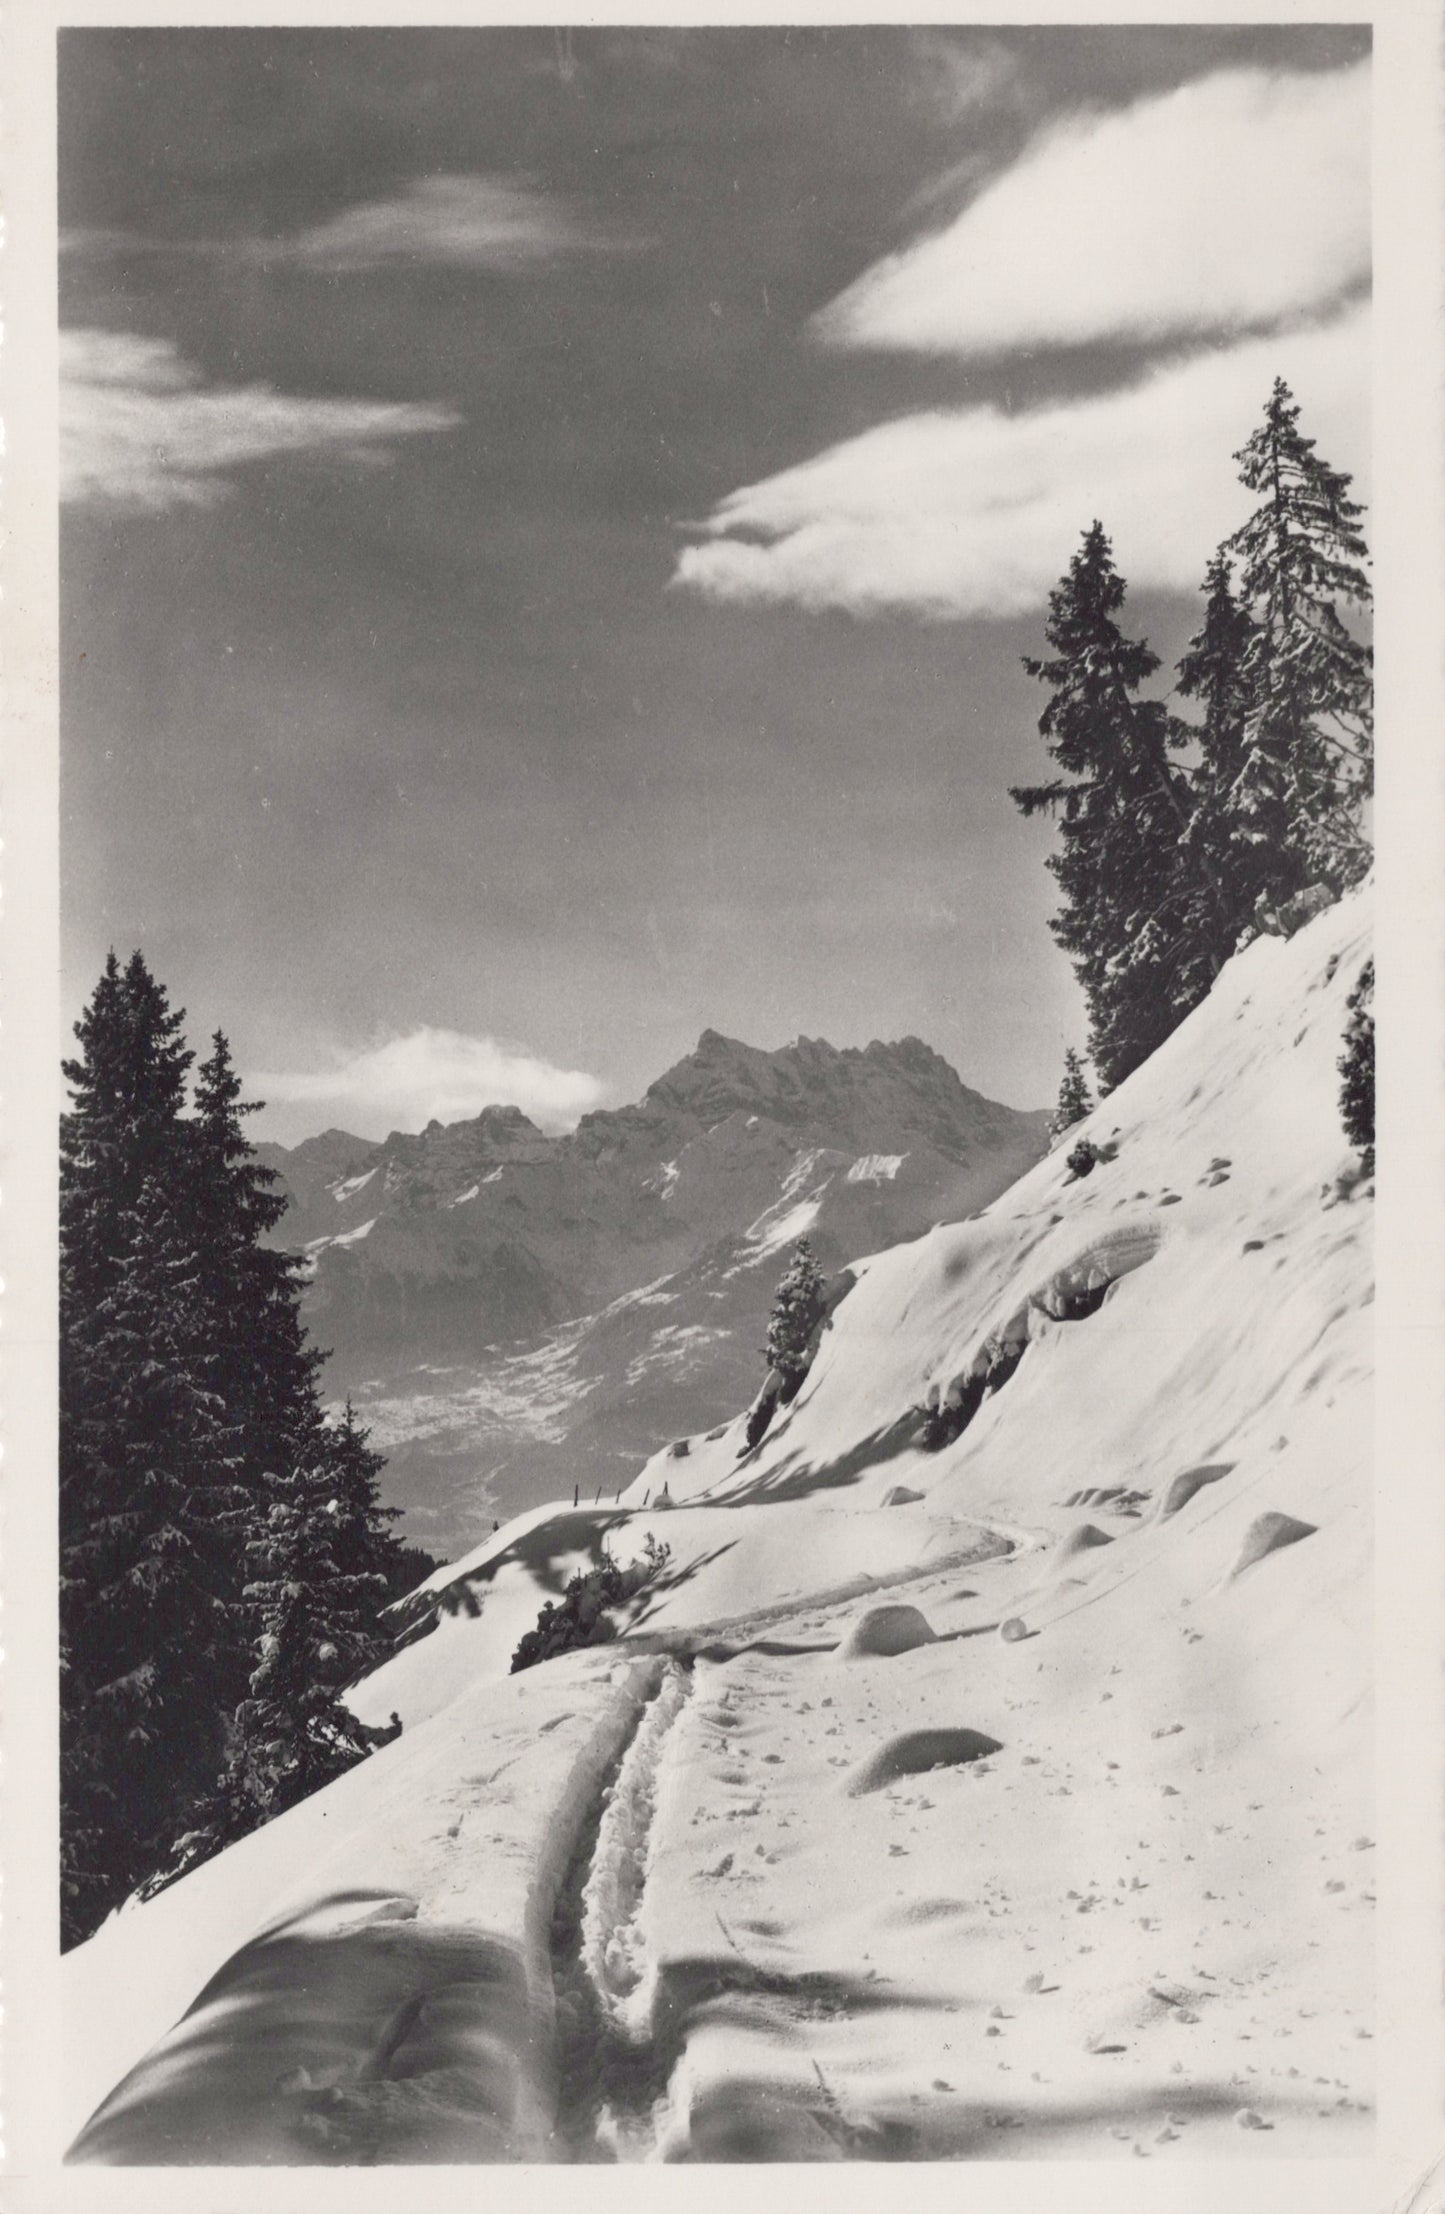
{"x": 1140, "y": 1926}
{"x": 1150, "y": 1881}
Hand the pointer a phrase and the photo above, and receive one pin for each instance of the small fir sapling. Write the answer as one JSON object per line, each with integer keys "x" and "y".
{"x": 1357, "y": 1070}
{"x": 1074, "y": 1101}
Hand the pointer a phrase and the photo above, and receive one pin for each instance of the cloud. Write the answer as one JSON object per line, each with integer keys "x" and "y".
{"x": 140, "y": 428}
{"x": 977, "y": 512}
{"x": 471, "y": 222}
{"x": 433, "y": 1074}
{"x": 1233, "y": 203}
{"x": 100, "y": 241}
{"x": 958, "y": 76}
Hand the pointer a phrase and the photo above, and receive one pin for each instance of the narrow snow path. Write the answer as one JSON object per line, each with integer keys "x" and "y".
{"x": 611, "y": 2078}
{"x": 613, "y": 1948}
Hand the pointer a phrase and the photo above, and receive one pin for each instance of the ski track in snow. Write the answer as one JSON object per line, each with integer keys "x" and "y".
{"x": 611, "y": 2079}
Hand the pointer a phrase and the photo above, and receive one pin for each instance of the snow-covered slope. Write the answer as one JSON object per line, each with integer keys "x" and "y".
{"x": 1005, "y": 1800}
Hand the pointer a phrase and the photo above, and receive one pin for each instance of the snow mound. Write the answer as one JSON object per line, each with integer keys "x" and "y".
{"x": 885, "y": 1632}
{"x": 1183, "y": 1487}
{"x": 916, "y": 1753}
{"x": 1085, "y": 1537}
{"x": 1265, "y": 1535}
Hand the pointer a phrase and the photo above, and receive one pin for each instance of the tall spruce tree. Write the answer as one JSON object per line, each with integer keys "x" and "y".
{"x": 122, "y": 1148}
{"x": 1212, "y": 672}
{"x": 1305, "y": 769}
{"x": 153, "y": 1519}
{"x": 264, "y": 1366}
{"x": 128, "y": 1089}
{"x": 189, "y": 1402}
{"x": 797, "y": 1309}
{"x": 1130, "y": 922}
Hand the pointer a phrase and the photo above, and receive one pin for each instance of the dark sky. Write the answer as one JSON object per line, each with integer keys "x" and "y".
{"x": 405, "y": 366}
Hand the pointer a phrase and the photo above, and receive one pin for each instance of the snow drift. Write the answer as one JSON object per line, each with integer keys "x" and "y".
{"x": 1081, "y": 1865}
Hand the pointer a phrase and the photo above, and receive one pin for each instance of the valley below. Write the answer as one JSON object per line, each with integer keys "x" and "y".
{"x": 517, "y": 1316}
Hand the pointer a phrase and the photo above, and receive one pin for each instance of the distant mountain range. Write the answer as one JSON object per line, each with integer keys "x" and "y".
{"x": 517, "y": 1315}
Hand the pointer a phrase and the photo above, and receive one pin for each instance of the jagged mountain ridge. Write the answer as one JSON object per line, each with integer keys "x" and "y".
{"x": 517, "y": 1312}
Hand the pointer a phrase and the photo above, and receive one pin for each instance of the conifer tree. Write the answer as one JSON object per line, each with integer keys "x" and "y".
{"x": 127, "y": 1423}
{"x": 1357, "y": 1070}
{"x": 364, "y": 1543}
{"x": 152, "y": 1519}
{"x": 188, "y": 1390}
{"x": 124, "y": 1127}
{"x": 1305, "y": 770}
{"x": 264, "y": 1366}
{"x": 323, "y": 1564}
{"x": 797, "y": 1310}
{"x": 1074, "y": 1100}
{"x": 316, "y": 1616}
{"x": 1132, "y": 897}
{"x": 1212, "y": 672}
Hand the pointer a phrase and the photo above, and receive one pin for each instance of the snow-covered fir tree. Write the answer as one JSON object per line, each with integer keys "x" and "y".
{"x": 1131, "y": 893}
{"x": 1231, "y": 871}
{"x": 1074, "y": 1101}
{"x": 797, "y": 1309}
{"x": 264, "y": 1366}
{"x": 1306, "y": 754}
{"x": 188, "y": 1388}
{"x": 316, "y": 1616}
{"x": 153, "y": 1518}
{"x": 121, "y": 1306}
{"x": 365, "y": 1542}
{"x": 128, "y": 1093}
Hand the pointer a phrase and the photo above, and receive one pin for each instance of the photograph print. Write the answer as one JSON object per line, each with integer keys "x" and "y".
{"x": 718, "y": 1158}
